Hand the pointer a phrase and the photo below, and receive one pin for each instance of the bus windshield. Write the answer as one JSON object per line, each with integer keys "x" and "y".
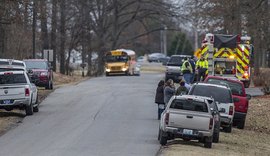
{"x": 111, "y": 58}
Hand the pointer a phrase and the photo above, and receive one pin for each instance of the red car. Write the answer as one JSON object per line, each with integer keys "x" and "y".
{"x": 240, "y": 98}
{"x": 40, "y": 72}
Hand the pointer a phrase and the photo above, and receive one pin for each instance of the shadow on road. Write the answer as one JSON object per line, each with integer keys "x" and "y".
{"x": 8, "y": 114}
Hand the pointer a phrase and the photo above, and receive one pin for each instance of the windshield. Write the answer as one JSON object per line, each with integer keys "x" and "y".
{"x": 236, "y": 88}
{"x": 110, "y": 58}
{"x": 221, "y": 95}
{"x": 176, "y": 60}
{"x": 12, "y": 79}
{"x": 189, "y": 105}
{"x": 36, "y": 65}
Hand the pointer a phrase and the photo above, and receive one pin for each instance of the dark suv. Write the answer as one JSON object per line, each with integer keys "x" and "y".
{"x": 40, "y": 72}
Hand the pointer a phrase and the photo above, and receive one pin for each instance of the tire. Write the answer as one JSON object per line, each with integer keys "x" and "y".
{"x": 51, "y": 86}
{"x": 208, "y": 142}
{"x": 163, "y": 139}
{"x": 29, "y": 110}
{"x": 36, "y": 109}
{"x": 241, "y": 124}
{"x": 158, "y": 135}
{"x": 228, "y": 129}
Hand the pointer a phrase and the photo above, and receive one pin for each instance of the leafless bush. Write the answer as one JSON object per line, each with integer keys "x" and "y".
{"x": 263, "y": 80}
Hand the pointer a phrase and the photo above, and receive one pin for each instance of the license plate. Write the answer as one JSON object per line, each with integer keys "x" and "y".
{"x": 187, "y": 131}
{"x": 6, "y": 102}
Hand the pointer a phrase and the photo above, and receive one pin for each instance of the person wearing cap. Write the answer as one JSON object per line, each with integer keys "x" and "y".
{"x": 186, "y": 70}
{"x": 202, "y": 67}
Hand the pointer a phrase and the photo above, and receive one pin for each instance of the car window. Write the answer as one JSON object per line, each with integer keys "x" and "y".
{"x": 36, "y": 65}
{"x": 12, "y": 79}
{"x": 189, "y": 105}
{"x": 176, "y": 60}
{"x": 220, "y": 95}
{"x": 12, "y": 63}
{"x": 235, "y": 87}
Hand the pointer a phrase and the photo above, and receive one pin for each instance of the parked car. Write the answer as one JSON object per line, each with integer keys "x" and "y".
{"x": 137, "y": 70}
{"x": 173, "y": 68}
{"x": 156, "y": 57}
{"x": 187, "y": 117}
{"x": 241, "y": 99}
{"x": 40, "y": 72}
{"x": 223, "y": 97}
{"x": 140, "y": 59}
{"x": 16, "y": 90}
{"x": 12, "y": 65}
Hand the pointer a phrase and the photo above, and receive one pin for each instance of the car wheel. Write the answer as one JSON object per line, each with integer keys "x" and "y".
{"x": 228, "y": 129}
{"x": 208, "y": 142}
{"x": 29, "y": 109}
{"x": 158, "y": 135}
{"x": 36, "y": 109}
{"x": 241, "y": 124}
{"x": 163, "y": 139}
{"x": 51, "y": 85}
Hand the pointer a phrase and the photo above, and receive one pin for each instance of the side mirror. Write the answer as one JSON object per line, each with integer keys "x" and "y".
{"x": 30, "y": 71}
{"x": 248, "y": 96}
{"x": 235, "y": 99}
{"x": 214, "y": 113}
{"x": 222, "y": 110}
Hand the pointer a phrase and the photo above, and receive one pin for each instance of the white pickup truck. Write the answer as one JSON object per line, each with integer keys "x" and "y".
{"x": 16, "y": 91}
{"x": 187, "y": 117}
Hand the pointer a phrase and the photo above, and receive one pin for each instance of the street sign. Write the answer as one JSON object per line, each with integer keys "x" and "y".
{"x": 48, "y": 54}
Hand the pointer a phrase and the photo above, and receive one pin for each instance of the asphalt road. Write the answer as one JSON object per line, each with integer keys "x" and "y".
{"x": 107, "y": 116}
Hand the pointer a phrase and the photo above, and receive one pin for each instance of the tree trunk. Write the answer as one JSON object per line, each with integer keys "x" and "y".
{"x": 63, "y": 35}
{"x": 44, "y": 27}
{"x": 53, "y": 32}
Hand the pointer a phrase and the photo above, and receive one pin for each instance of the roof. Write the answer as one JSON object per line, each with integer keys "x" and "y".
{"x": 13, "y": 72}
{"x": 224, "y": 78}
{"x": 128, "y": 51}
{"x": 214, "y": 85}
{"x": 35, "y": 60}
{"x": 194, "y": 97}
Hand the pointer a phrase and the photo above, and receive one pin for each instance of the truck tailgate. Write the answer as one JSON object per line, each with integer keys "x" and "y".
{"x": 12, "y": 92}
{"x": 189, "y": 120}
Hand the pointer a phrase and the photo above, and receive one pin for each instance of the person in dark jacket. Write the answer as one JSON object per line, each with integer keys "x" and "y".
{"x": 160, "y": 98}
{"x": 169, "y": 91}
{"x": 181, "y": 90}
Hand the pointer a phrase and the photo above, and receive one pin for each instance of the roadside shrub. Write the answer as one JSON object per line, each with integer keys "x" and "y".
{"x": 263, "y": 80}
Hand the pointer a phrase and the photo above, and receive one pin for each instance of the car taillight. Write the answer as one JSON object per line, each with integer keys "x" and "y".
{"x": 167, "y": 116}
{"x": 8, "y": 73}
{"x": 27, "y": 91}
{"x": 231, "y": 110}
{"x": 211, "y": 123}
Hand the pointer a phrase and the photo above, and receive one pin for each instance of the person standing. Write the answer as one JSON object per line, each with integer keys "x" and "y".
{"x": 182, "y": 90}
{"x": 202, "y": 67}
{"x": 159, "y": 99}
{"x": 193, "y": 66}
{"x": 186, "y": 70}
{"x": 169, "y": 91}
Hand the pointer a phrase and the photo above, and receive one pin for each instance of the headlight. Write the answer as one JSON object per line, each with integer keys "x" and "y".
{"x": 124, "y": 69}
{"x": 43, "y": 74}
{"x": 108, "y": 70}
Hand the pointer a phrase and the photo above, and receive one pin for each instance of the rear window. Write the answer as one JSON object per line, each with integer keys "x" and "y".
{"x": 235, "y": 87}
{"x": 221, "y": 95}
{"x": 12, "y": 79}
{"x": 36, "y": 65}
{"x": 13, "y": 63}
{"x": 189, "y": 105}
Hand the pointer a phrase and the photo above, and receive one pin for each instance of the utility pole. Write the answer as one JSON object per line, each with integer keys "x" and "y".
{"x": 34, "y": 29}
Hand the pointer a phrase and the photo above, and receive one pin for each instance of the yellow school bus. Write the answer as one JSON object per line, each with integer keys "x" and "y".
{"x": 120, "y": 61}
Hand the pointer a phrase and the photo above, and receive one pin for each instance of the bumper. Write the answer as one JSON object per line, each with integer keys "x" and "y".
{"x": 196, "y": 134}
{"x": 174, "y": 76}
{"x": 225, "y": 121}
{"x": 239, "y": 116}
{"x": 15, "y": 102}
